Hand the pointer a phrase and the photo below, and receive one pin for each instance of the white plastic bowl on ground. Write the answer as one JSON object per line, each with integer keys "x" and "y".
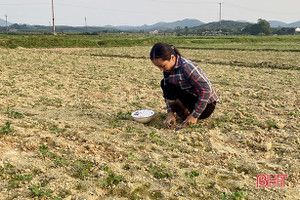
{"x": 143, "y": 116}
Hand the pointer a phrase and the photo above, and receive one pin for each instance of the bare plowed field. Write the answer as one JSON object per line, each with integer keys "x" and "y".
{"x": 66, "y": 130}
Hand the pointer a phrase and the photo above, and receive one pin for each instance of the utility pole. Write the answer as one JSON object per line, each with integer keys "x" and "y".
{"x": 53, "y": 19}
{"x": 220, "y": 18}
{"x": 85, "y": 25}
{"x": 6, "y": 24}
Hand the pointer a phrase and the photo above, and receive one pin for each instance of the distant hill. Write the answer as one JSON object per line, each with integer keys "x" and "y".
{"x": 278, "y": 24}
{"x": 275, "y": 24}
{"x": 192, "y": 24}
{"x": 224, "y": 23}
{"x": 161, "y": 25}
{"x": 295, "y": 24}
{"x": 3, "y": 23}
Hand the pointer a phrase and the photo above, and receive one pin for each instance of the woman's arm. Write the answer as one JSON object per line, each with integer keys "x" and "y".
{"x": 196, "y": 77}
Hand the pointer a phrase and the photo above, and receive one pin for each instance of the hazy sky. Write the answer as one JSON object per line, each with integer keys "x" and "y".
{"x": 140, "y": 12}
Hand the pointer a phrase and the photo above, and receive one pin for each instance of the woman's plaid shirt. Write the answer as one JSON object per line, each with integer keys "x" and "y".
{"x": 190, "y": 77}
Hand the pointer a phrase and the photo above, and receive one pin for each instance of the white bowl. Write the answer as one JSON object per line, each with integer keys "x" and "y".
{"x": 143, "y": 116}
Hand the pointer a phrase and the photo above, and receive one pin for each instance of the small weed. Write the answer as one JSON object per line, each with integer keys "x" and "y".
{"x": 82, "y": 169}
{"x": 191, "y": 177}
{"x": 58, "y": 102}
{"x": 6, "y": 129}
{"x": 154, "y": 135}
{"x": 138, "y": 130}
{"x": 218, "y": 123}
{"x": 33, "y": 105}
{"x": 105, "y": 89}
{"x": 3, "y": 94}
{"x": 40, "y": 191}
{"x": 295, "y": 113}
{"x": 17, "y": 179}
{"x": 12, "y": 83}
{"x": 137, "y": 98}
{"x": 110, "y": 178}
{"x": 155, "y": 138}
{"x": 9, "y": 167}
{"x": 206, "y": 183}
{"x": 60, "y": 86}
{"x": 57, "y": 160}
{"x": 232, "y": 164}
{"x": 225, "y": 196}
{"x": 123, "y": 116}
{"x": 131, "y": 156}
{"x": 44, "y": 151}
{"x": 27, "y": 177}
{"x": 1, "y": 171}
{"x": 86, "y": 106}
{"x": 236, "y": 104}
{"x": 49, "y": 82}
{"x": 272, "y": 124}
{"x": 55, "y": 130}
{"x": 258, "y": 95}
{"x": 129, "y": 129}
{"x": 250, "y": 120}
{"x": 60, "y": 161}
{"x": 44, "y": 100}
{"x": 154, "y": 84}
{"x": 115, "y": 123}
{"x": 13, "y": 114}
{"x": 160, "y": 172}
{"x": 276, "y": 96}
{"x": 195, "y": 126}
{"x": 221, "y": 121}
{"x": 191, "y": 174}
{"x": 238, "y": 195}
{"x": 50, "y": 102}
{"x": 172, "y": 146}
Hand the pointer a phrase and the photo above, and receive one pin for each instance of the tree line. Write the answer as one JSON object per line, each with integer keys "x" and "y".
{"x": 262, "y": 27}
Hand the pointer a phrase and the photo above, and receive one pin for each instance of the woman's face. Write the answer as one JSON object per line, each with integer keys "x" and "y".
{"x": 165, "y": 65}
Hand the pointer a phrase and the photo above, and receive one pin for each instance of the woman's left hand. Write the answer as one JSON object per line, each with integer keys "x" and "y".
{"x": 190, "y": 120}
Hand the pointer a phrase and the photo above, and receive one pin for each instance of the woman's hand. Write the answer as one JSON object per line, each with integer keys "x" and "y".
{"x": 171, "y": 119}
{"x": 189, "y": 120}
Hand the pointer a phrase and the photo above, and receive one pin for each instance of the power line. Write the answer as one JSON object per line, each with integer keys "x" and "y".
{"x": 182, "y": 2}
{"x": 22, "y": 4}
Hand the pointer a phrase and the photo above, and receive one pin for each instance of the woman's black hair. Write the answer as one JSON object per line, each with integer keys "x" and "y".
{"x": 163, "y": 51}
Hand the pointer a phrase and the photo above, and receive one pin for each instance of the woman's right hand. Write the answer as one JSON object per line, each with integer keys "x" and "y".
{"x": 170, "y": 120}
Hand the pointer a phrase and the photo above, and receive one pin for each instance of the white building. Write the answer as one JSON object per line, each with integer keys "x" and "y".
{"x": 297, "y": 30}
{"x": 155, "y": 32}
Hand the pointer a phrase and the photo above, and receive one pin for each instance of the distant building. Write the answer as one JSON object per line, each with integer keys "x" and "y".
{"x": 297, "y": 30}
{"x": 155, "y": 32}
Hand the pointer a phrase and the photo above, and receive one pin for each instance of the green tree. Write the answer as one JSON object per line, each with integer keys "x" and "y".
{"x": 283, "y": 31}
{"x": 186, "y": 30}
{"x": 262, "y": 27}
{"x": 178, "y": 30}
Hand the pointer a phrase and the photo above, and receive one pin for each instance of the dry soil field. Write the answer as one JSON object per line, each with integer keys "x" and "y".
{"x": 66, "y": 130}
